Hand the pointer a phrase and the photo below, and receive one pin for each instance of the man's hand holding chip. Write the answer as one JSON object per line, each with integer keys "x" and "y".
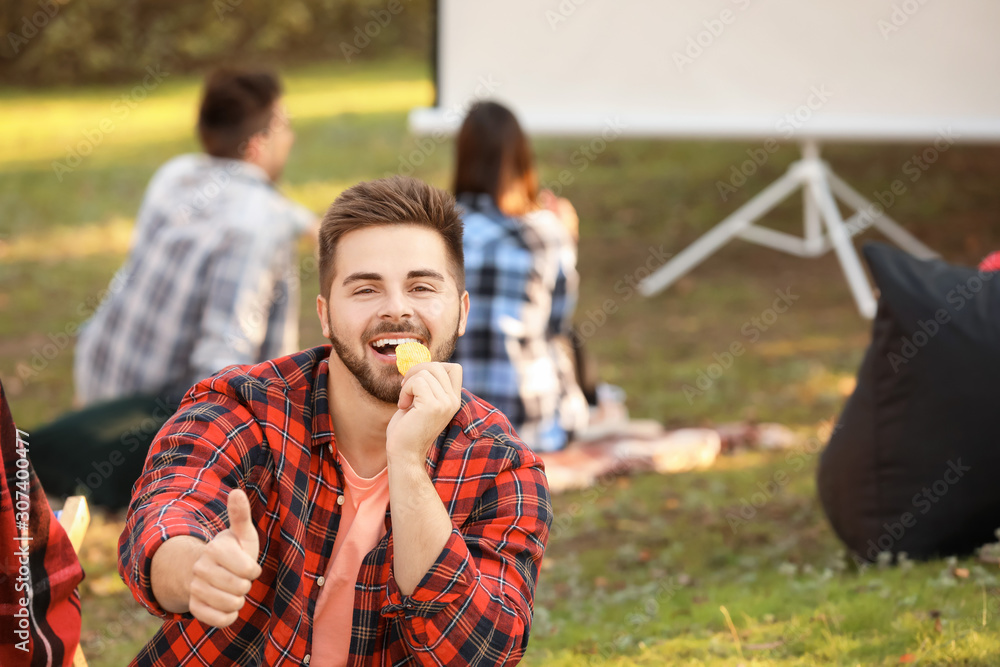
{"x": 430, "y": 396}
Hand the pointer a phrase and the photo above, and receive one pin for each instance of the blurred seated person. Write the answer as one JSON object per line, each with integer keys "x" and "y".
{"x": 211, "y": 280}
{"x": 39, "y": 600}
{"x": 520, "y": 263}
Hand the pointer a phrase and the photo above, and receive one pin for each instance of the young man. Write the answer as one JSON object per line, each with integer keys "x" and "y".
{"x": 321, "y": 509}
{"x": 211, "y": 280}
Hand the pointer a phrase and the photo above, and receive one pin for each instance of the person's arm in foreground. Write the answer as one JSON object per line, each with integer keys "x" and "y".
{"x": 44, "y": 628}
{"x": 482, "y": 576}
{"x": 181, "y": 550}
{"x": 210, "y": 580}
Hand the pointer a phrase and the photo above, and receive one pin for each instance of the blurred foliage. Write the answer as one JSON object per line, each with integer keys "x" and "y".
{"x": 84, "y": 41}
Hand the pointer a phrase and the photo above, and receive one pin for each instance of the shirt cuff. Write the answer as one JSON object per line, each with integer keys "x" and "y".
{"x": 152, "y": 539}
{"x": 450, "y": 578}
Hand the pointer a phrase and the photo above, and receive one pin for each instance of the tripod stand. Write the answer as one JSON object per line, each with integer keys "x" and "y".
{"x": 825, "y": 228}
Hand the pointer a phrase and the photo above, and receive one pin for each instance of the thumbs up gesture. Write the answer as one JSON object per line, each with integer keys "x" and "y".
{"x": 227, "y": 567}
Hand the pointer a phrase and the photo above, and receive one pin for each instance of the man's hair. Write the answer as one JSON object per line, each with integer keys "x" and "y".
{"x": 493, "y": 156}
{"x": 399, "y": 200}
{"x": 235, "y": 105}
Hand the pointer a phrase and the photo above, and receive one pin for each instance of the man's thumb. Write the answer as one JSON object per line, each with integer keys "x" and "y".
{"x": 241, "y": 522}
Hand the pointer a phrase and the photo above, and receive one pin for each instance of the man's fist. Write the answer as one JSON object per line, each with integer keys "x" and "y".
{"x": 227, "y": 568}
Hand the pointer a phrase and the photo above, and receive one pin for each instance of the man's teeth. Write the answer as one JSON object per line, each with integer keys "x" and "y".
{"x": 393, "y": 341}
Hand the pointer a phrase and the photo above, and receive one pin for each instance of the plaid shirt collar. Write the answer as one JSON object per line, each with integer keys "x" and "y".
{"x": 322, "y": 421}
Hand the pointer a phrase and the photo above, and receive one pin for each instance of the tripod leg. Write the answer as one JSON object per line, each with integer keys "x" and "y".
{"x": 722, "y": 233}
{"x": 892, "y": 229}
{"x": 841, "y": 240}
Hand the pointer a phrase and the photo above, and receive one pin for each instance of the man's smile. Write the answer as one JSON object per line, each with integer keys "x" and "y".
{"x": 385, "y": 346}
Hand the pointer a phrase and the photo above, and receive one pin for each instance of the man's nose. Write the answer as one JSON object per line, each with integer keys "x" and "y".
{"x": 396, "y": 305}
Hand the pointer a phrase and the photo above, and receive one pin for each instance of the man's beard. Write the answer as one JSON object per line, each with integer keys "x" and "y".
{"x": 384, "y": 384}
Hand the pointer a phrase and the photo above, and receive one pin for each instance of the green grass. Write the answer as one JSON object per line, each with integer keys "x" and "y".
{"x": 637, "y": 570}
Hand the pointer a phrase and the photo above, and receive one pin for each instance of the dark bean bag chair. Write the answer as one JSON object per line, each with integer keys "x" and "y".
{"x": 913, "y": 464}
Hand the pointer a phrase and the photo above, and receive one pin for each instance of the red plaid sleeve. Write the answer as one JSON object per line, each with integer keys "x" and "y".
{"x": 474, "y": 605}
{"x": 39, "y": 571}
{"x": 186, "y": 482}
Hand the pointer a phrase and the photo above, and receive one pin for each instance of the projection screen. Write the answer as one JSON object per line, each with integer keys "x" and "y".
{"x": 879, "y": 70}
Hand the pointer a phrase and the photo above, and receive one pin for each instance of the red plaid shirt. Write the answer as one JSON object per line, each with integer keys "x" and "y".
{"x": 267, "y": 429}
{"x": 47, "y": 630}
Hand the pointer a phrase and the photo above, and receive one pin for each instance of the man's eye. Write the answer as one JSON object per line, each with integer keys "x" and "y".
{"x": 423, "y": 288}
{"x": 365, "y": 290}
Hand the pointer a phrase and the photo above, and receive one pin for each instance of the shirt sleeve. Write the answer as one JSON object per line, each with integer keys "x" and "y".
{"x": 39, "y": 570}
{"x": 474, "y": 605}
{"x": 207, "y": 449}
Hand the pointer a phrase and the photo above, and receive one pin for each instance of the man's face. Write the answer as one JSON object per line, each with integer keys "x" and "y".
{"x": 391, "y": 283}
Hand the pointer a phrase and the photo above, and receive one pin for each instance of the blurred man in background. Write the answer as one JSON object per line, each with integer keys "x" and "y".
{"x": 210, "y": 281}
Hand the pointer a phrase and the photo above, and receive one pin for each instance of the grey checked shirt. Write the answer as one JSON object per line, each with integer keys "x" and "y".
{"x": 211, "y": 280}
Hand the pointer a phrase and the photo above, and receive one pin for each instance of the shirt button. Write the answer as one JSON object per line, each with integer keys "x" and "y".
{"x": 305, "y": 660}
{"x": 321, "y": 581}
{"x": 340, "y": 500}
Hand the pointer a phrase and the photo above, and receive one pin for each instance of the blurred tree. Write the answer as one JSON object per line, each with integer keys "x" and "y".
{"x": 88, "y": 41}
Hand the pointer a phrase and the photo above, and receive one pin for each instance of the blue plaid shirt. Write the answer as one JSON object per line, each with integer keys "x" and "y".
{"x": 211, "y": 280}
{"x": 515, "y": 354}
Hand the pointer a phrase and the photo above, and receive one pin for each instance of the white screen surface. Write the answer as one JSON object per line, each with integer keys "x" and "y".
{"x": 822, "y": 69}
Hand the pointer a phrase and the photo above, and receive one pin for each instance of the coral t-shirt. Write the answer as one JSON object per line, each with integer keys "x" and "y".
{"x": 362, "y": 526}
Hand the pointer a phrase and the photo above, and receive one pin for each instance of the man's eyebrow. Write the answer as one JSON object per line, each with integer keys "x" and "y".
{"x": 425, "y": 273}
{"x": 362, "y": 276}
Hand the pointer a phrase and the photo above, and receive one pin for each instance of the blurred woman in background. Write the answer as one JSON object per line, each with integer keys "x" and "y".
{"x": 520, "y": 263}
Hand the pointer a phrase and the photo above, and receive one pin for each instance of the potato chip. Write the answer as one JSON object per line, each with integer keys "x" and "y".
{"x": 409, "y": 355}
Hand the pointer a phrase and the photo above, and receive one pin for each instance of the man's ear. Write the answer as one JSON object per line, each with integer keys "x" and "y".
{"x": 463, "y": 313}
{"x": 323, "y": 311}
{"x": 255, "y": 148}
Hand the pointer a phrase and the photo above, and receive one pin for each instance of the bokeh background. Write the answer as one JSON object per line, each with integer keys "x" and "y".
{"x": 648, "y": 570}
